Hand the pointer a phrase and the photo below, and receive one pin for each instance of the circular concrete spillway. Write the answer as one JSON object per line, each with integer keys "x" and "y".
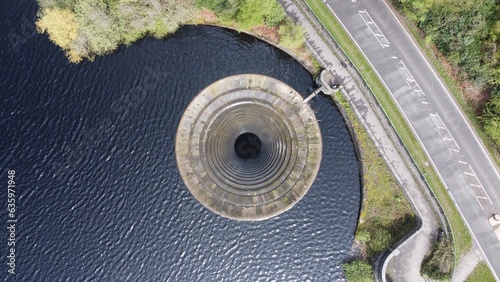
{"x": 247, "y": 148}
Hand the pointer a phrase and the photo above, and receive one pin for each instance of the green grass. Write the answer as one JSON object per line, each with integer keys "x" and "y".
{"x": 481, "y": 274}
{"x": 461, "y": 236}
{"x": 386, "y": 214}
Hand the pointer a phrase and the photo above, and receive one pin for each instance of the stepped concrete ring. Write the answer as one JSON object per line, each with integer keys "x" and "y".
{"x": 247, "y": 147}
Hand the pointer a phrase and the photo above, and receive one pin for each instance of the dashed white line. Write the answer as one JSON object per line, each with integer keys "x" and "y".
{"x": 377, "y": 33}
{"x": 440, "y": 119}
{"x": 462, "y": 162}
{"x": 409, "y": 77}
{"x": 482, "y": 187}
{"x": 440, "y": 135}
{"x": 468, "y": 173}
{"x": 479, "y": 202}
{"x": 451, "y": 136}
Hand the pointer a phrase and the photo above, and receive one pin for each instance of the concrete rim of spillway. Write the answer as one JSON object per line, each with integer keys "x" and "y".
{"x": 248, "y": 148}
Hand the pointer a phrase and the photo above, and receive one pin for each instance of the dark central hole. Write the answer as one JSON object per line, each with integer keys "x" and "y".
{"x": 247, "y": 146}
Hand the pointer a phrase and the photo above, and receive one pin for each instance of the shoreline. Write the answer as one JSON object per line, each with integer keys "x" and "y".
{"x": 308, "y": 66}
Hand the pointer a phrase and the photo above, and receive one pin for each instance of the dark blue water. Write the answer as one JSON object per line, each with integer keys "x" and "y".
{"x": 98, "y": 194}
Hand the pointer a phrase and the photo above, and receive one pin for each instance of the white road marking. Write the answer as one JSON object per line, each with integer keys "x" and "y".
{"x": 409, "y": 77}
{"x": 479, "y": 203}
{"x": 328, "y": 5}
{"x": 468, "y": 173}
{"x": 462, "y": 162}
{"x": 374, "y": 28}
{"x": 482, "y": 187}
{"x": 407, "y": 83}
{"x": 443, "y": 126}
{"x": 480, "y": 243}
{"x": 440, "y": 135}
{"x": 424, "y": 102}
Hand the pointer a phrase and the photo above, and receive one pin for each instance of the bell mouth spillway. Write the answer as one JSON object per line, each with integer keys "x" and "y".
{"x": 247, "y": 147}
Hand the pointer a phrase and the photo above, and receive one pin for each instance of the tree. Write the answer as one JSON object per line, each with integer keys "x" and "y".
{"x": 291, "y": 35}
{"x": 251, "y": 13}
{"x": 86, "y": 28}
{"x": 466, "y": 31}
{"x": 491, "y": 119}
{"x": 358, "y": 271}
{"x": 227, "y": 8}
{"x": 101, "y": 29}
{"x": 274, "y": 13}
{"x": 60, "y": 25}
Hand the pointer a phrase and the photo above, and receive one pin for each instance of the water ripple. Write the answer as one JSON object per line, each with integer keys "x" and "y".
{"x": 100, "y": 196}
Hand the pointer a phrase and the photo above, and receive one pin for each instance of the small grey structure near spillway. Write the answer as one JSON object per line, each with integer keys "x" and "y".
{"x": 247, "y": 148}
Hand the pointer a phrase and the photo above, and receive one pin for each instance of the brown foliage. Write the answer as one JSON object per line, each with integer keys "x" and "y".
{"x": 267, "y": 32}
{"x": 208, "y": 16}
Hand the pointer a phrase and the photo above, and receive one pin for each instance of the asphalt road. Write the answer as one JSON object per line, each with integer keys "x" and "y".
{"x": 454, "y": 149}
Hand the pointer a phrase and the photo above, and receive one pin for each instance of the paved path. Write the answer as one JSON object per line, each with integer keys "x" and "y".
{"x": 452, "y": 146}
{"x": 407, "y": 262}
{"x": 467, "y": 264}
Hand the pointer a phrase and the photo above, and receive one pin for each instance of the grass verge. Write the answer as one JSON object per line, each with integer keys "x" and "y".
{"x": 386, "y": 216}
{"x": 461, "y": 236}
{"x": 481, "y": 274}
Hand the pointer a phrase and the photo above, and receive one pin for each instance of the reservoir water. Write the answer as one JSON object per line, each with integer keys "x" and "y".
{"x": 98, "y": 193}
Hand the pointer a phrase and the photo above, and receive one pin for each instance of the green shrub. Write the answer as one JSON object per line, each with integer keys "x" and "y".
{"x": 439, "y": 264}
{"x": 274, "y": 13}
{"x": 358, "y": 271}
{"x": 225, "y": 8}
{"x": 291, "y": 35}
{"x": 491, "y": 119}
{"x": 250, "y": 13}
